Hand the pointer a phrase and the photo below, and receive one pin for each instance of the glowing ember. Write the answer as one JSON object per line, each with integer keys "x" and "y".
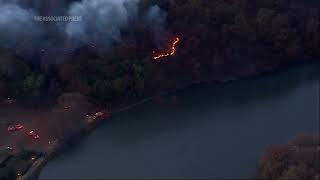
{"x": 14, "y": 128}
{"x": 53, "y": 142}
{"x": 19, "y": 126}
{"x": 67, "y": 108}
{"x": 9, "y": 148}
{"x": 93, "y": 117}
{"x": 99, "y": 113}
{"x": 9, "y": 101}
{"x": 173, "y": 50}
{"x": 33, "y": 134}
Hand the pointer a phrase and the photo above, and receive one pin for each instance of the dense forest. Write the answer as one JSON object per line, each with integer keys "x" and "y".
{"x": 112, "y": 61}
{"x": 297, "y": 160}
{"x": 220, "y": 40}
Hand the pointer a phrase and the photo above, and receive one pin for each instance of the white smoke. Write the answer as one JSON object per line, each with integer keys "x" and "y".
{"x": 17, "y": 25}
{"x": 102, "y": 20}
{"x": 155, "y": 19}
{"x": 101, "y": 23}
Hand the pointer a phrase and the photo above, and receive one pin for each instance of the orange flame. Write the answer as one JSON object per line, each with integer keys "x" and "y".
{"x": 173, "y": 50}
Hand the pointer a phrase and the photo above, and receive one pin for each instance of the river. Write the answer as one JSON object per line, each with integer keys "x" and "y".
{"x": 212, "y": 130}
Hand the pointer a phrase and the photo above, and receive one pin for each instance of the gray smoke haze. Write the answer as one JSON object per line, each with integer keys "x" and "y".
{"x": 155, "y": 19}
{"x": 101, "y": 24}
{"x": 102, "y": 20}
{"x": 17, "y": 26}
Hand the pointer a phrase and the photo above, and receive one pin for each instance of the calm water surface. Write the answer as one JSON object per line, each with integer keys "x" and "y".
{"x": 211, "y": 131}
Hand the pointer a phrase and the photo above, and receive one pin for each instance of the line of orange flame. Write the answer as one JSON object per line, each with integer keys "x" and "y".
{"x": 172, "y": 50}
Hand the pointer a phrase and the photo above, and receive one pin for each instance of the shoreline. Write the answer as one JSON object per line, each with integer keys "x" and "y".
{"x": 35, "y": 170}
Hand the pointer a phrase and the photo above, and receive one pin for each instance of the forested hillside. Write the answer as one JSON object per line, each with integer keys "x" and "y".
{"x": 219, "y": 40}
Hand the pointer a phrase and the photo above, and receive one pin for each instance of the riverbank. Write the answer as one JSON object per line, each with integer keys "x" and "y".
{"x": 228, "y": 41}
{"x": 82, "y": 132}
{"x": 209, "y": 130}
{"x": 299, "y": 159}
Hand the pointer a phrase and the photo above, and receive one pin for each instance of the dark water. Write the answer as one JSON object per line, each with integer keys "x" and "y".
{"x": 211, "y": 131}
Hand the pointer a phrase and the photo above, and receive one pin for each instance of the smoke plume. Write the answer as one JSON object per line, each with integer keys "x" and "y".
{"x": 17, "y": 26}
{"x": 101, "y": 24}
{"x": 155, "y": 19}
{"x": 102, "y": 20}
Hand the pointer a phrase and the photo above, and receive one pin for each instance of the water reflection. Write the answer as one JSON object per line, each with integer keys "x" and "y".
{"x": 210, "y": 131}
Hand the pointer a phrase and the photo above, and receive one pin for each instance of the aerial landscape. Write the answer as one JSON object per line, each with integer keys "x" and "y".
{"x": 103, "y": 89}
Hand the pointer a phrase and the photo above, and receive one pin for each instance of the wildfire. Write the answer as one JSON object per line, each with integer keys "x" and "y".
{"x": 97, "y": 115}
{"x": 172, "y": 51}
